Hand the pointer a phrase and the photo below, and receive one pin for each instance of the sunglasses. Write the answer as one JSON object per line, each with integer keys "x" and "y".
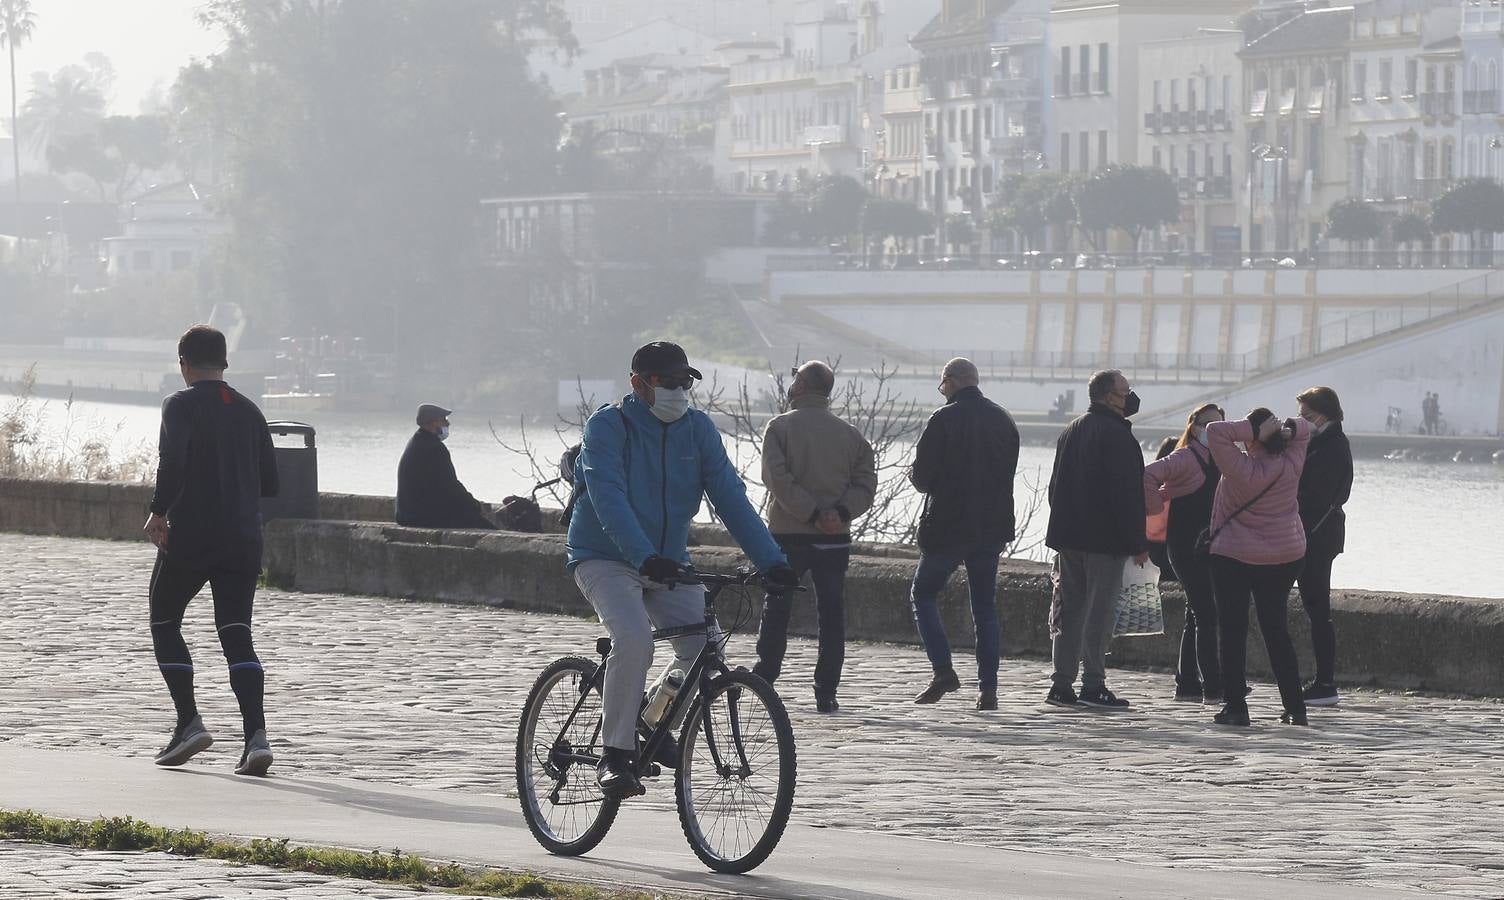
{"x": 674, "y": 382}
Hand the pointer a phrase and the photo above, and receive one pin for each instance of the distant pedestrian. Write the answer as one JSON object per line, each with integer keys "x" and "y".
{"x": 820, "y": 473}
{"x": 1257, "y": 548}
{"x": 429, "y": 492}
{"x": 1436, "y": 414}
{"x": 1187, "y": 479}
{"x": 1096, "y": 525}
{"x": 964, "y": 465}
{"x": 1325, "y": 486}
{"x": 215, "y": 463}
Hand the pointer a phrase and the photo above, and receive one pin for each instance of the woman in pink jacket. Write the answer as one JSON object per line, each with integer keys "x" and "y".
{"x": 1188, "y": 477}
{"x": 1258, "y": 545}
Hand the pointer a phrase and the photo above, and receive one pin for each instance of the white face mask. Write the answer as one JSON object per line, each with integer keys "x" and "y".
{"x": 1241, "y": 446}
{"x": 670, "y": 404}
{"x": 443, "y": 433}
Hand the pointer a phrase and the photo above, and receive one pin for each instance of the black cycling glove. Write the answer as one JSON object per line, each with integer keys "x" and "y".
{"x": 661, "y": 569}
{"x": 780, "y": 579}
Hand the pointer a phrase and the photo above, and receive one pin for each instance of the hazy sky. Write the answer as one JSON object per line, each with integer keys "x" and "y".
{"x": 147, "y": 40}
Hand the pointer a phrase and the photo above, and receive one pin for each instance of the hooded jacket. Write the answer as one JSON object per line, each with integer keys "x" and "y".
{"x": 1269, "y": 532}
{"x": 643, "y": 484}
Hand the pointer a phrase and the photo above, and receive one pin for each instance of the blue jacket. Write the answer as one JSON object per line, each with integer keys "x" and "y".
{"x": 644, "y": 481}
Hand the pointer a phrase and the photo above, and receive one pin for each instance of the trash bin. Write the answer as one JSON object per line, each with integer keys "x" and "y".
{"x": 298, "y": 474}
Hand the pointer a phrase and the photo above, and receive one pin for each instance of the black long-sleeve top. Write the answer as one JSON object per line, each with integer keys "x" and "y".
{"x": 215, "y": 462}
{"x": 1326, "y": 484}
{"x": 429, "y": 493}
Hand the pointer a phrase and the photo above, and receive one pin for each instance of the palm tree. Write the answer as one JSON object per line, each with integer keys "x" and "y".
{"x": 17, "y": 22}
{"x": 66, "y": 103}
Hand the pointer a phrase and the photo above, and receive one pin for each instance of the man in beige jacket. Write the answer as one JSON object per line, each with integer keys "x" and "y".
{"x": 820, "y": 474}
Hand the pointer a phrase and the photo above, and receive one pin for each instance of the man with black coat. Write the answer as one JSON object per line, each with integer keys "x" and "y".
{"x": 964, "y": 465}
{"x": 1326, "y": 482}
{"x": 429, "y": 493}
{"x": 1096, "y": 523}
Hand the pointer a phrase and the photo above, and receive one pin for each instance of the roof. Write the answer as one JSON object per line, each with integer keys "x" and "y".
{"x": 967, "y": 23}
{"x": 1312, "y": 31}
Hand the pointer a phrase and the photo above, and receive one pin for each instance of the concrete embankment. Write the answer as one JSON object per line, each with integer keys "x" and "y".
{"x": 1409, "y": 641}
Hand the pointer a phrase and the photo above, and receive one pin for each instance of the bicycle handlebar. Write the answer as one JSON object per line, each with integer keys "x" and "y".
{"x": 744, "y": 575}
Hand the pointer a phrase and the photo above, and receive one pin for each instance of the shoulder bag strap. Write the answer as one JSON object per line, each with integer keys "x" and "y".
{"x": 1240, "y": 510}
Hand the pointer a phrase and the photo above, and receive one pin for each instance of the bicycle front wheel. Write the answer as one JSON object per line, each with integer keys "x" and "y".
{"x": 735, "y": 782}
{"x": 558, "y": 747}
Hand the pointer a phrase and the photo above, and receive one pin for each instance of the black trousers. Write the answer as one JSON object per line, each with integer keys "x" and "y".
{"x": 1316, "y": 596}
{"x": 173, "y": 586}
{"x": 827, "y": 568}
{"x": 1200, "y": 667}
{"x": 1235, "y": 584}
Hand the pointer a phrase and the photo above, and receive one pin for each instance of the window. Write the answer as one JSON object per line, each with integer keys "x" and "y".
{"x": 1190, "y": 161}
{"x": 1064, "y": 88}
{"x": 1174, "y": 94}
{"x": 987, "y": 122}
{"x": 1102, "y": 68}
{"x": 180, "y": 260}
{"x": 1085, "y": 75}
{"x": 1157, "y": 104}
{"x": 1412, "y": 78}
{"x": 1386, "y": 75}
{"x": 950, "y": 182}
{"x": 1227, "y": 93}
{"x": 1174, "y": 153}
{"x": 1227, "y": 160}
{"x": 141, "y": 261}
{"x": 1313, "y": 149}
{"x": 1158, "y": 158}
{"x": 1102, "y": 149}
{"x": 1210, "y": 96}
{"x": 1085, "y": 151}
{"x": 950, "y": 126}
{"x": 1448, "y": 159}
{"x": 1065, "y": 152}
{"x": 1190, "y": 94}
{"x": 1360, "y": 79}
{"x": 987, "y": 180}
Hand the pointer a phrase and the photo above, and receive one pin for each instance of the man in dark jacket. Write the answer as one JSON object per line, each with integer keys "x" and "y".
{"x": 964, "y": 465}
{"x": 1096, "y": 524}
{"x": 429, "y": 493}
{"x": 1326, "y": 482}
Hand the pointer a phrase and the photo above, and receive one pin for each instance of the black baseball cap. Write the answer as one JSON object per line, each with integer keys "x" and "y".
{"x": 662, "y": 358}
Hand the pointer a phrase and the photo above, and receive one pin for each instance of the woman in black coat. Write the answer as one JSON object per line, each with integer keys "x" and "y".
{"x": 1325, "y": 486}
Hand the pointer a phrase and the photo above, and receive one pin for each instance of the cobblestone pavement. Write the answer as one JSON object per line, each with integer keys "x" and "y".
{"x": 1388, "y": 789}
{"x": 43, "y": 872}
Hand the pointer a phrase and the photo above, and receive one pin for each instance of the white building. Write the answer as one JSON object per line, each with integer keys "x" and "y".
{"x": 657, "y": 37}
{"x": 901, "y": 142}
{"x": 1482, "y": 133}
{"x": 167, "y": 229}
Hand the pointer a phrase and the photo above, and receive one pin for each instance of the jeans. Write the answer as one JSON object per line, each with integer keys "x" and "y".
{"x": 1089, "y": 588}
{"x": 1316, "y": 596}
{"x": 631, "y": 606}
{"x": 934, "y": 570}
{"x": 827, "y": 568}
{"x": 1269, "y": 587}
{"x": 1200, "y": 668}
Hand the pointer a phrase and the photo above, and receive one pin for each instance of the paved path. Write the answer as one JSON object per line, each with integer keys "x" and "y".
{"x": 43, "y": 872}
{"x": 1388, "y": 790}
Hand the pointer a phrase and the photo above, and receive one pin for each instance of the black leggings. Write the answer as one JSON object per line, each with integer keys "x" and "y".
{"x": 1200, "y": 668}
{"x": 1269, "y": 587}
{"x": 1316, "y": 595}
{"x": 173, "y": 585}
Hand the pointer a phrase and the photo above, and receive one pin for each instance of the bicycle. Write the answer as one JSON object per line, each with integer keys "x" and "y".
{"x": 734, "y": 784}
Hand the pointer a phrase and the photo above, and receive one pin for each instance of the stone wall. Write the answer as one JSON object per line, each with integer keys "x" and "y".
{"x": 1406, "y": 641}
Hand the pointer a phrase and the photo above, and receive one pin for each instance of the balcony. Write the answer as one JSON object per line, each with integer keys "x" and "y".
{"x": 1202, "y": 119}
{"x": 1480, "y": 101}
{"x": 1153, "y": 121}
{"x": 1438, "y": 104}
{"x": 1220, "y": 120}
{"x": 1078, "y": 83}
{"x": 1016, "y": 86}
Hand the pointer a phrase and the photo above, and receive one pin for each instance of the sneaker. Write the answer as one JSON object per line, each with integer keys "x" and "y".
{"x": 257, "y": 757}
{"x": 1188, "y": 695}
{"x": 1232, "y": 715}
{"x": 1062, "y": 696}
{"x": 1294, "y": 718}
{"x": 826, "y": 703}
{"x": 617, "y": 775}
{"x": 1318, "y": 694}
{"x": 1102, "y": 698}
{"x": 668, "y": 753}
{"x": 943, "y": 683}
{"x": 987, "y": 700}
{"x": 188, "y": 739}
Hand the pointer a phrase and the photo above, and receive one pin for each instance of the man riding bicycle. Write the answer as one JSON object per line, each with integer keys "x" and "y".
{"x": 645, "y": 465}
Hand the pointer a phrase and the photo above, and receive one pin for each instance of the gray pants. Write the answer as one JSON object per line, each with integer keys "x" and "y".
{"x": 631, "y": 606}
{"x": 1084, "y": 612}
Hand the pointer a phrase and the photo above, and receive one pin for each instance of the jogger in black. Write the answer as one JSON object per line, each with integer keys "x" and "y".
{"x": 216, "y": 463}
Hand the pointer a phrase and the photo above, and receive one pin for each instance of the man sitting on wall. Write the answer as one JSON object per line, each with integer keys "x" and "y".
{"x": 429, "y": 493}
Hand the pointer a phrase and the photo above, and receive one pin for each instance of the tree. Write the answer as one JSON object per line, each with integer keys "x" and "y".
{"x": 1353, "y": 220}
{"x": 115, "y": 155}
{"x": 1409, "y": 229}
{"x": 1128, "y": 198}
{"x": 17, "y": 24}
{"x": 837, "y": 206}
{"x": 356, "y": 138}
{"x": 960, "y": 231}
{"x": 67, "y": 103}
{"x": 896, "y": 219}
{"x": 1473, "y": 206}
{"x": 789, "y": 222}
{"x": 1033, "y": 202}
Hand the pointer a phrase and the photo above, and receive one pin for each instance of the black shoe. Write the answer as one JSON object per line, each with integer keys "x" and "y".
{"x": 1232, "y": 715}
{"x": 188, "y": 739}
{"x": 987, "y": 700}
{"x": 943, "y": 683}
{"x": 257, "y": 757}
{"x": 1188, "y": 695}
{"x": 826, "y": 703}
{"x": 1294, "y": 718}
{"x": 1319, "y": 694}
{"x": 1062, "y": 696}
{"x": 1102, "y": 698}
{"x": 617, "y": 775}
{"x": 668, "y": 753}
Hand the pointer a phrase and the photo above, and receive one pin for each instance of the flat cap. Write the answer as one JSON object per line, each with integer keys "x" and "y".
{"x": 430, "y": 411}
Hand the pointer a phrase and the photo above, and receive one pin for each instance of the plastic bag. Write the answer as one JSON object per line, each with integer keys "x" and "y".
{"x": 1140, "y": 609}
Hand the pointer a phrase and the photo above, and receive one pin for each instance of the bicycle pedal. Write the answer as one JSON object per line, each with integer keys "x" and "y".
{"x": 653, "y": 771}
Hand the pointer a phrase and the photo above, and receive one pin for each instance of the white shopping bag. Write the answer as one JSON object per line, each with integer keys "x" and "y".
{"x": 1140, "y": 610}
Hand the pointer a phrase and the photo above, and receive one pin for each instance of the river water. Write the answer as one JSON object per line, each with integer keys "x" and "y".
{"x": 1429, "y": 528}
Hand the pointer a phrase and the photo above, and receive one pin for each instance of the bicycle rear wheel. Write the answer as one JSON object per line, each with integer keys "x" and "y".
{"x": 557, "y": 752}
{"x": 735, "y": 782}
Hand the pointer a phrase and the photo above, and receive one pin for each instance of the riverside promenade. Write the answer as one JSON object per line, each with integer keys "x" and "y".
{"x": 394, "y": 722}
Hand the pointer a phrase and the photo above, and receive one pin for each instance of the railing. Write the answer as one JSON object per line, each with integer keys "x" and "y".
{"x": 1087, "y": 260}
{"x": 1438, "y": 104}
{"x": 1480, "y": 101}
{"x": 1164, "y": 368}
